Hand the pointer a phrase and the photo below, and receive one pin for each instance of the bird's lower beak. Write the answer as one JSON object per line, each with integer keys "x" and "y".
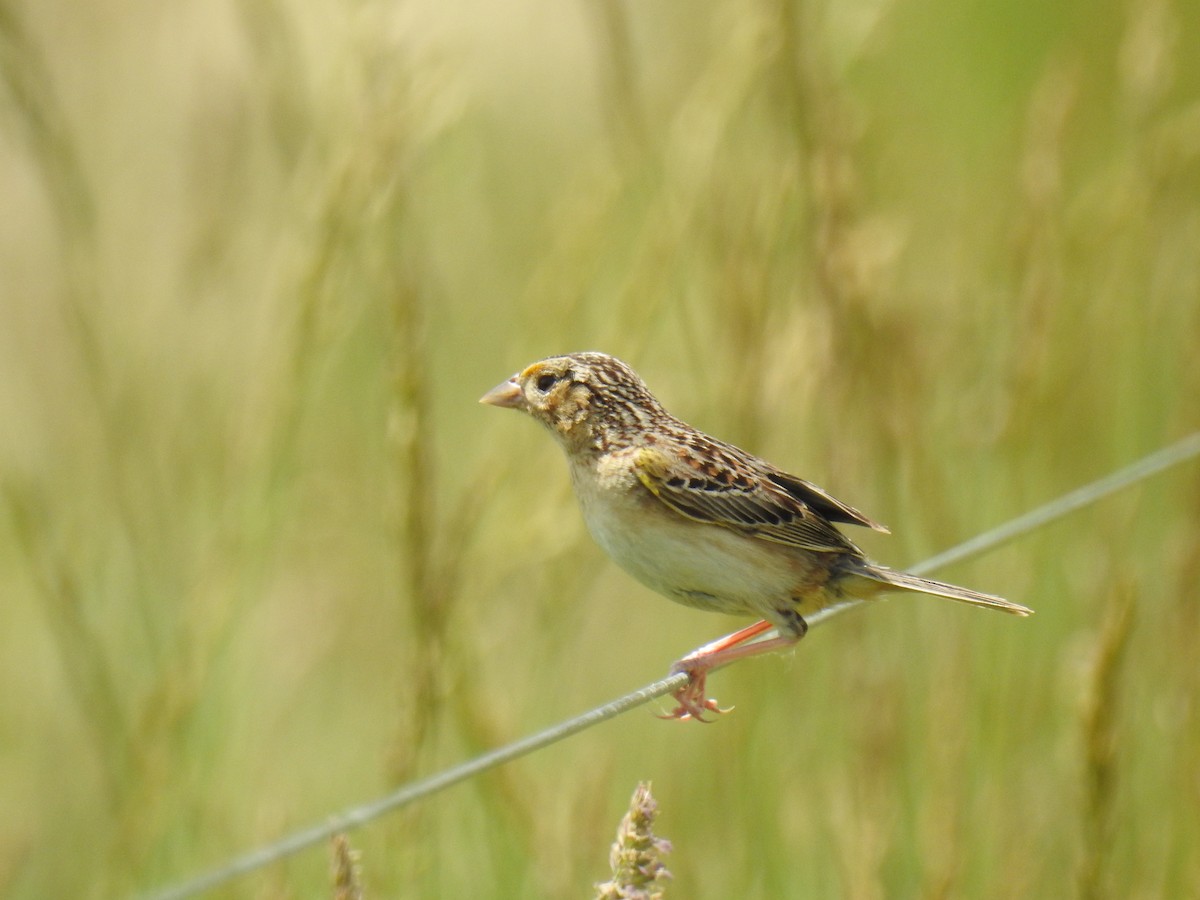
{"x": 508, "y": 394}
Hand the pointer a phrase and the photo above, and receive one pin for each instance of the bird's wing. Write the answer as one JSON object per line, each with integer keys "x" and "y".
{"x": 723, "y": 486}
{"x": 822, "y": 501}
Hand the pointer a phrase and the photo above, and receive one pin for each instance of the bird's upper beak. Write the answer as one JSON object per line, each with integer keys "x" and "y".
{"x": 507, "y": 394}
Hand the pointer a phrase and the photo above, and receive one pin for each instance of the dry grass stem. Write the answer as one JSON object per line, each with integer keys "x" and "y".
{"x": 346, "y": 869}
{"x": 636, "y": 856}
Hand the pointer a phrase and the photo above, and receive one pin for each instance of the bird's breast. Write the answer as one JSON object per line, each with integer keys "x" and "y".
{"x": 698, "y": 564}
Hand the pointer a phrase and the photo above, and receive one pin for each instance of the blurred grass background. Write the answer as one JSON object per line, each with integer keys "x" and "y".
{"x": 262, "y": 555}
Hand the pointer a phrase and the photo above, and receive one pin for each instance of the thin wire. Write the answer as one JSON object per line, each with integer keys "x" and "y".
{"x": 1160, "y": 461}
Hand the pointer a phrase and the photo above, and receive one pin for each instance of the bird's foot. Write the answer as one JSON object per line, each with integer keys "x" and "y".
{"x": 692, "y": 697}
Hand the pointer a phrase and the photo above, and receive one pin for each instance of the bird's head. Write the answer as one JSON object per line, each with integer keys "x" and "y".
{"x": 585, "y": 399}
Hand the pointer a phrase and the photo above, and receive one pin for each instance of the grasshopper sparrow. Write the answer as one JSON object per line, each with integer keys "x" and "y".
{"x": 701, "y": 521}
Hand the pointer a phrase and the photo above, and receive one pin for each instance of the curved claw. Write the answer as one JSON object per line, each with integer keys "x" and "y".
{"x": 692, "y": 699}
{"x": 693, "y": 711}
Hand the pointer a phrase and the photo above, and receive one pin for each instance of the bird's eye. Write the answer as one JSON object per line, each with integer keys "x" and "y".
{"x": 547, "y": 381}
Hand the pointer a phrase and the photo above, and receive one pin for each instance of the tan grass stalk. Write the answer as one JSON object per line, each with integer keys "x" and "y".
{"x": 346, "y": 869}
{"x": 636, "y": 856}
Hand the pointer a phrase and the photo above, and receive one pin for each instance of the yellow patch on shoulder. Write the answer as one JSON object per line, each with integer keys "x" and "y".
{"x": 651, "y": 467}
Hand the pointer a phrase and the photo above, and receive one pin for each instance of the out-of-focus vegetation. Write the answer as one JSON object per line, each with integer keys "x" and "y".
{"x": 262, "y": 556}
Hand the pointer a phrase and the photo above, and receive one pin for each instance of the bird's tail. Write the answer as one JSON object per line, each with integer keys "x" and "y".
{"x": 903, "y": 581}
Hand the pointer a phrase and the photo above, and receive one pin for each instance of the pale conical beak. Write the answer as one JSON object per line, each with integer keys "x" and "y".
{"x": 507, "y": 394}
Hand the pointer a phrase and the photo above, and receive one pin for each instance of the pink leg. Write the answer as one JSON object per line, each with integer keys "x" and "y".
{"x": 693, "y": 702}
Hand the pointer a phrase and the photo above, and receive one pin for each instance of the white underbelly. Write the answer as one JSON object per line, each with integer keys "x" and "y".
{"x": 705, "y": 566}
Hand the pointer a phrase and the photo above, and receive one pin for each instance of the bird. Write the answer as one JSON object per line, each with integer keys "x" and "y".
{"x": 703, "y": 522}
